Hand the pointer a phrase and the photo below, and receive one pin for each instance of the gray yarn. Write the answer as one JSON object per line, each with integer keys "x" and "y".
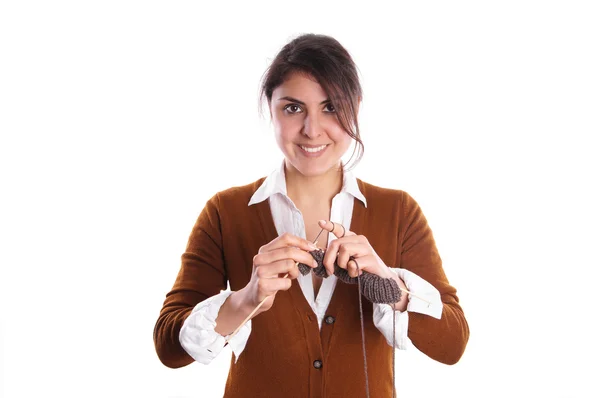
{"x": 375, "y": 288}
{"x": 364, "y": 346}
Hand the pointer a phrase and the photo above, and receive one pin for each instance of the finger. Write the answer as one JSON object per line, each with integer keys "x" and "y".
{"x": 282, "y": 253}
{"x": 335, "y": 228}
{"x": 280, "y": 284}
{"x": 274, "y": 269}
{"x": 348, "y": 250}
{"x": 294, "y": 272}
{"x": 268, "y": 287}
{"x": 333, "y": 248}
{"x": 287, "y": 239}
{"x": 330, "y": 255}
{"x": 353, "y": 268}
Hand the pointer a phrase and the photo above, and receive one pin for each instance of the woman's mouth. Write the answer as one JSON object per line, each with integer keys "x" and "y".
{"x": 313, "y": 151}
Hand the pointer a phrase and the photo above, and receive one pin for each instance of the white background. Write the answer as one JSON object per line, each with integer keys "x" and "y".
{"x": 119, "y": 119}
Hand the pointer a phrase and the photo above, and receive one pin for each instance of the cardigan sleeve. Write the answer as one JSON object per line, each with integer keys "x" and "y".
{"x": 444, "y": 339}
{"x": 202, "y": 275}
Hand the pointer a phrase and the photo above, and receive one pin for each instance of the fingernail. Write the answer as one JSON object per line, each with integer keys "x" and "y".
{"x": 312, "y": 246}
{"x": 315, "y": 264}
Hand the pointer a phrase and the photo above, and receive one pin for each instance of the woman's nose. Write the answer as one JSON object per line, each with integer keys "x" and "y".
{"x": 312, "y": 126}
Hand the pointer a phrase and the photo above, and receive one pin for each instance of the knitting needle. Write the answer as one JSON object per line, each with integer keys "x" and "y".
{"x": 419, "y": 297}
{"x": 263, "y": 301}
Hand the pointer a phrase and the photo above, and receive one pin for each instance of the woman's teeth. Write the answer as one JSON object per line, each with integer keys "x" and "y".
{"x": 313, "y": 150}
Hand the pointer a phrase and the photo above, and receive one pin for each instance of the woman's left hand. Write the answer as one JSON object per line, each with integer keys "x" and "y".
{"x": 349, "y": 244}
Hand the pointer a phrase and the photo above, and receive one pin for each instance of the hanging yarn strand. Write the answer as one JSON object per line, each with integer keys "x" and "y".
{"x": 362, "y": 335}
{"x": 393, "y": 351}
{"x": 364, "y": 347}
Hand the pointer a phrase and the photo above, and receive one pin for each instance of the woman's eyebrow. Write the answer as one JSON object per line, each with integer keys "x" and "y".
{"x": 291, "y": 99}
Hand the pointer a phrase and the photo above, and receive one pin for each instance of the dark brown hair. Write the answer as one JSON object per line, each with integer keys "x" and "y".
{"x": 323, "y": 58}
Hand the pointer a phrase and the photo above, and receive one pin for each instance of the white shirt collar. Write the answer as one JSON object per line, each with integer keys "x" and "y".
{"x": 275, "y": 183}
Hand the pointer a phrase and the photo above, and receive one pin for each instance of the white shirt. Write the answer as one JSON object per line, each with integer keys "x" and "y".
{"x": 198, "y": 337}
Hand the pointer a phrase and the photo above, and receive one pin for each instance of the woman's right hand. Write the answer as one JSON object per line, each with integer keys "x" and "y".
{"x": 273, "y": 261}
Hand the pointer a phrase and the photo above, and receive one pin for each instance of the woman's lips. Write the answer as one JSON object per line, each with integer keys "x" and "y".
{"x": 313, "y": 154}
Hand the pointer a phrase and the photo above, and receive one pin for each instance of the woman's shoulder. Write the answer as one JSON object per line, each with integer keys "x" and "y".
{"x": 384, "y": 200}
{"x": 379, "y": 194}
{"x": 238, "y": 193}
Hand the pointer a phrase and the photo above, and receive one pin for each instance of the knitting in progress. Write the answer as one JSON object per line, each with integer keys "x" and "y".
{"x": 375, "y": 289}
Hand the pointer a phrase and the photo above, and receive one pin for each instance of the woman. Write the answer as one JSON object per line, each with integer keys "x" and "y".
{"x": 306, "y": 339}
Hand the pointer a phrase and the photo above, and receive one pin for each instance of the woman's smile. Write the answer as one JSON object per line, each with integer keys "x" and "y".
{"x": 312, "y": 151}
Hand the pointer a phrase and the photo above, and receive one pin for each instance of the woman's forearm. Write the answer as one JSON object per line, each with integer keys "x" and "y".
{"x": 233, "y": 312}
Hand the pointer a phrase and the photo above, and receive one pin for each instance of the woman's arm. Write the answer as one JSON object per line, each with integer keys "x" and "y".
{"x": 202, "y": 275}
{"x": 184, "y": 332}
{"x": 442, "y": 339}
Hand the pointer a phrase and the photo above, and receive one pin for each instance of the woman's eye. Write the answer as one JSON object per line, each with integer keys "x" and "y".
{"x": 329, "y": 108}
{"x": 292, "y": 108}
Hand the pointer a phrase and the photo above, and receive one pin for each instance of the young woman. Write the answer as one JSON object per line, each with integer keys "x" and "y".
{"x": 312, "y": 336}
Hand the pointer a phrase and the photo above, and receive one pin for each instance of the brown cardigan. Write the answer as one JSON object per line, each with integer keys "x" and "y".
{"x": 285, "y": 341}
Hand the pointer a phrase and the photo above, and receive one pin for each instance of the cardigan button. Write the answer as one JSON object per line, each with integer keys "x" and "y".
{"x": 318, "y": 364}
{"x": 329, "y": 319}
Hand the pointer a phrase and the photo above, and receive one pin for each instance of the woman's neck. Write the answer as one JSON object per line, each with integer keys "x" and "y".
{"x": 305, "y": 190}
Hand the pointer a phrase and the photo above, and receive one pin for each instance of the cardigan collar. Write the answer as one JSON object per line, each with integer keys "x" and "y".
{"x": 275, "y": 183}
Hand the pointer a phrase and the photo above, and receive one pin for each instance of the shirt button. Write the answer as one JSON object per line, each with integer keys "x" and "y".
{"x": 318, "y": 364}
{"x": 329, "y": 319}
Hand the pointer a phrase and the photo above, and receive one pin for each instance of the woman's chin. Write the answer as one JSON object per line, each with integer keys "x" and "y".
{"x": 312, "y": 168}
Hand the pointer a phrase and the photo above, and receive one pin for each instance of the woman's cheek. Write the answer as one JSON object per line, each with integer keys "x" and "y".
{"x": 290, "y": 127}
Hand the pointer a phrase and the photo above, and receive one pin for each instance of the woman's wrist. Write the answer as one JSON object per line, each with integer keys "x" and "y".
{"x": 233, "y": 311}
{"x": 401, "y": 304}
{"x": 241, "y": 302}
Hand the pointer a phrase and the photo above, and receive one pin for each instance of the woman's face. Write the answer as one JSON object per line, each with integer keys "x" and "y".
{"x": 306, "y": 126}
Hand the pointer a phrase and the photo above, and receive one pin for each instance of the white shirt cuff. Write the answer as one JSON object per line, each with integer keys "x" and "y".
{"x": 198, "y": 337}
{"x": 382, "y": 318}
{"x": 382, "y": 313}
{"x": 421, "y": 290}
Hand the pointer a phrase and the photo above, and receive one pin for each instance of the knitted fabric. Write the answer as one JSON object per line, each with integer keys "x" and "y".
{"x": 375, "y": 288}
